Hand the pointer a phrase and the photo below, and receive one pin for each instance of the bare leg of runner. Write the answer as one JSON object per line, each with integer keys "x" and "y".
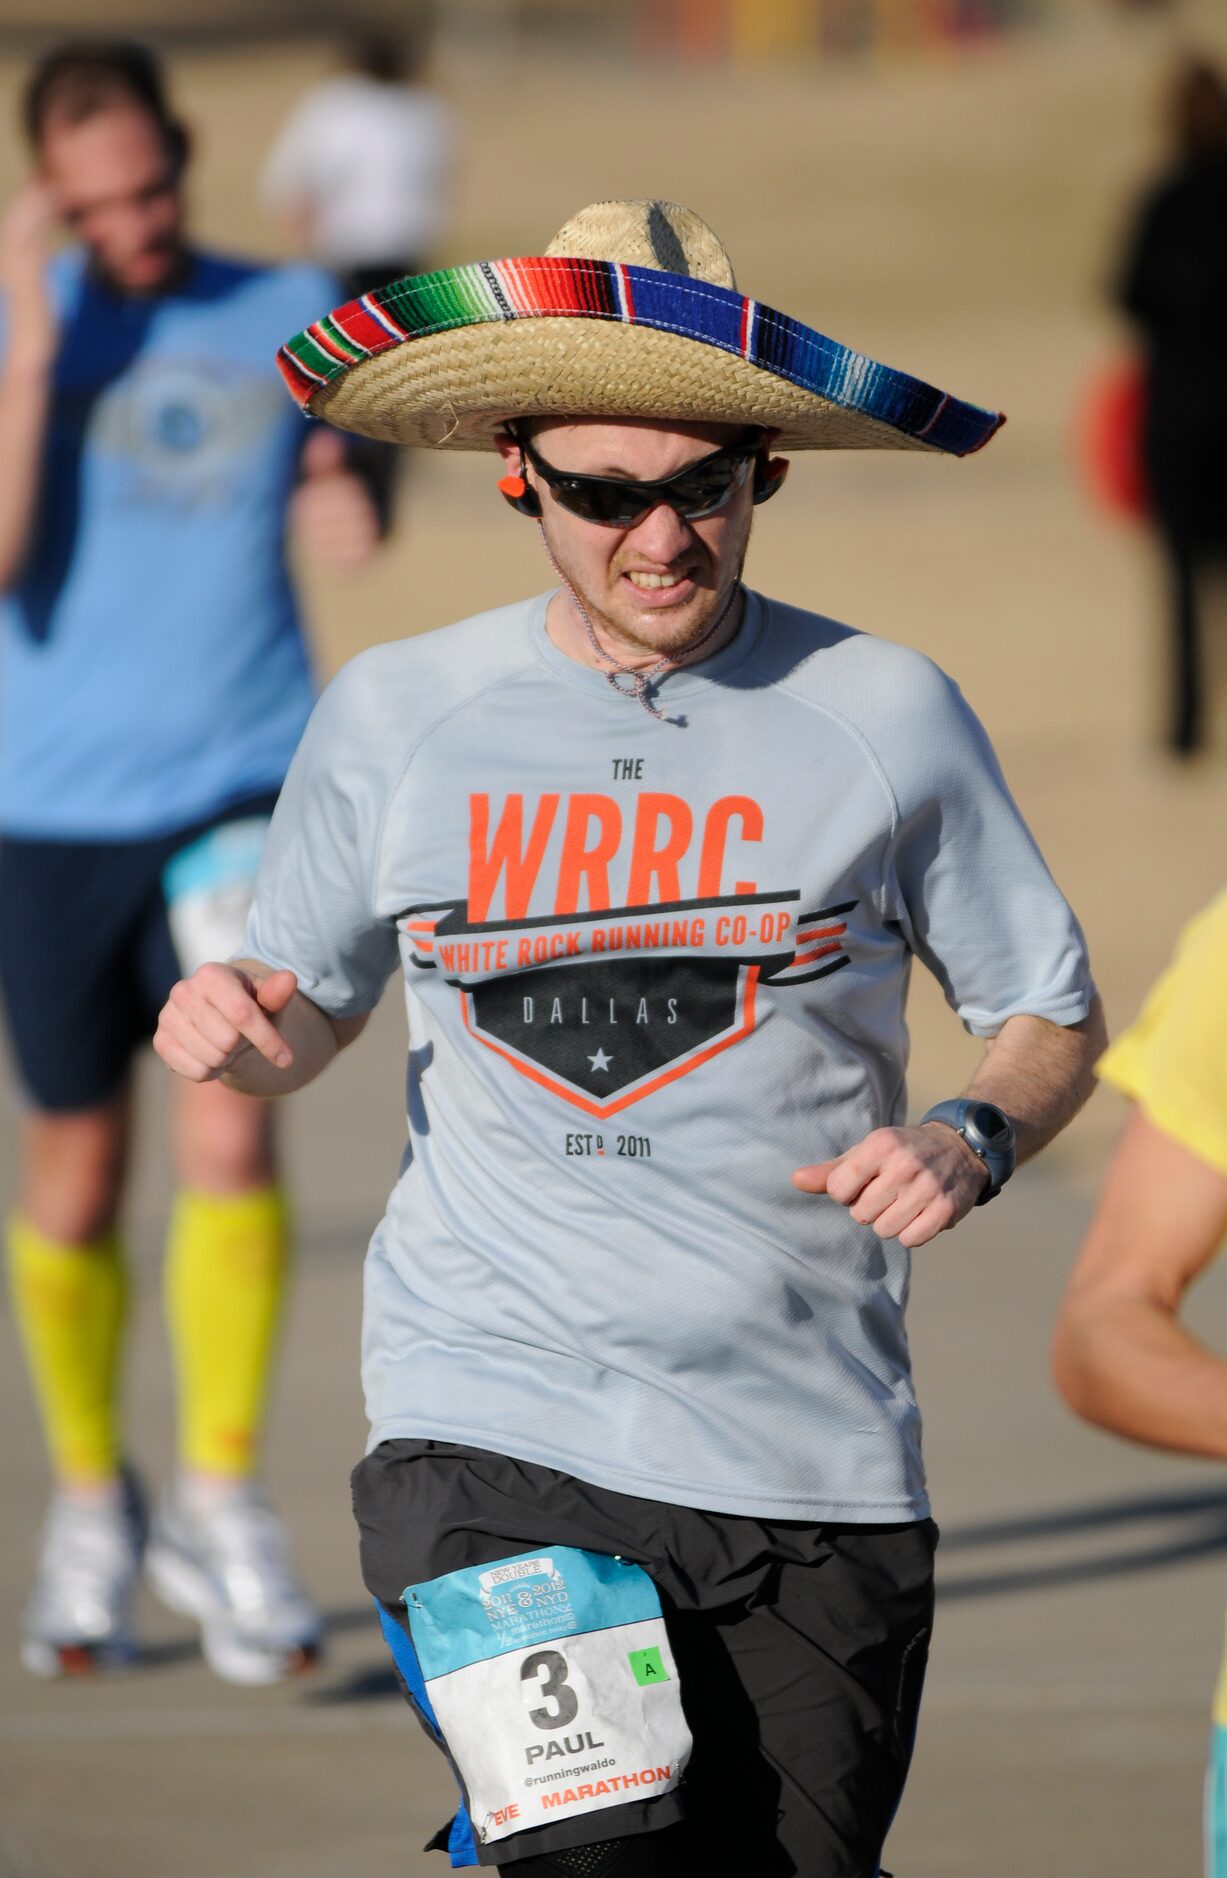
{"x": 218, "y": 1554}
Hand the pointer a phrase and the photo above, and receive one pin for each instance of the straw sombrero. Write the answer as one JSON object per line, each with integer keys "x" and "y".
{"x": 632, "y": 311}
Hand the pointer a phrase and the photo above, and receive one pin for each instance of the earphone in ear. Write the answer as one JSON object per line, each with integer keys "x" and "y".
{"x": 516, "y": 491}
{"x": 769, "y": 474}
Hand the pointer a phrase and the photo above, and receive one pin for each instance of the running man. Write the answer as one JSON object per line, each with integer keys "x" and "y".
{"x": 155, "y": 683}
{"x": 1122, "y": 1357}
{"x": 644, "y": 1510}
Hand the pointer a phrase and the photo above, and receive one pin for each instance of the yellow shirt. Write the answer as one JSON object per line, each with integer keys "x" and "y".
{"x": 1172, "y": 1060}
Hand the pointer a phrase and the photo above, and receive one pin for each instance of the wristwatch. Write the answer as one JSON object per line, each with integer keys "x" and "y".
{"x": 987, "y": 1132}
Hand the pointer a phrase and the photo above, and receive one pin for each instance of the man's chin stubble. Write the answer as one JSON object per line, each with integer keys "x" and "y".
{"x": 670, "y": 644}
{"x": 667, "y": 645}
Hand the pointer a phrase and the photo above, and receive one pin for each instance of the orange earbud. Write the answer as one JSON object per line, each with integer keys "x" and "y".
{"x": 516, "y": 491}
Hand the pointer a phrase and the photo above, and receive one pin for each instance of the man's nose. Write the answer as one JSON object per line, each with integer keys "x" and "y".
{"x": 662, "y": 535}
{"x": 128, "y": 224}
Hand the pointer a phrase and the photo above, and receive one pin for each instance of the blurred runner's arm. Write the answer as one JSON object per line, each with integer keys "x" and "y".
{"x": 912, "y": 1183}
{"x": 25, "y": 373}
{"x": 249, "y": 1026}
{"x": 333, "y": 510}
{"x": 1121, "y": 1356}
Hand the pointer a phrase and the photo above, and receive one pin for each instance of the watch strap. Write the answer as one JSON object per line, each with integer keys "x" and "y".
{"x": 997, "y": 1153}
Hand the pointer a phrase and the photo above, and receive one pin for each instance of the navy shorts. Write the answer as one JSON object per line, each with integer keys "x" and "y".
{"x": 799, "y": 1651}
{"x": 87, "y": 955}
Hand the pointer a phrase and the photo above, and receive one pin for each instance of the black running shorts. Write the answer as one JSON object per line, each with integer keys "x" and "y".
{"x": 87, "y": 956}
{"x": 799, "y": 1651}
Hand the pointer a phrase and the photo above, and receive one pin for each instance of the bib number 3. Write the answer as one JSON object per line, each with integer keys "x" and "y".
{"x": 554, "y": 1685}
{"x": 553, "y": 1667}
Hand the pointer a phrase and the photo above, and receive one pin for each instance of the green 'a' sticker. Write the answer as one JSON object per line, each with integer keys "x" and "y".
{"x": 647, "y": 1667}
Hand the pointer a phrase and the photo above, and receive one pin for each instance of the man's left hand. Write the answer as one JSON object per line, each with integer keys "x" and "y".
{"x": 907, "y": 1183}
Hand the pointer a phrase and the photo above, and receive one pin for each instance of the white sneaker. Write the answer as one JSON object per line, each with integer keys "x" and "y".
{"x": 224, "y": 1560}
{"x": 79, "y": 1617}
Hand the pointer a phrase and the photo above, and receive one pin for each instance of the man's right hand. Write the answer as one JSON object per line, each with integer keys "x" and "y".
{"x": 220, "y": 1014}
{"x": 25, "y": 232}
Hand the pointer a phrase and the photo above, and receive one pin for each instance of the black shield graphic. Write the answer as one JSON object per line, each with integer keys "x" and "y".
{"x": 601, "y": 1027}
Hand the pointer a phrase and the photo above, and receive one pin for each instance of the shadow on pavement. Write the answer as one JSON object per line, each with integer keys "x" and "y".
{"x": 1196, "y": 1526}
{"x": 165, "y": 1655}
{"x": 372, "y": 1684}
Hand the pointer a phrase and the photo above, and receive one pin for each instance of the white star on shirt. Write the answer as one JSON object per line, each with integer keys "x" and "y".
{"x": 600, "y": 1060}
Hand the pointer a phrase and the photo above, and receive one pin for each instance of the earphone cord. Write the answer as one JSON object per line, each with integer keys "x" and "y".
{"x": 640, "y": 680}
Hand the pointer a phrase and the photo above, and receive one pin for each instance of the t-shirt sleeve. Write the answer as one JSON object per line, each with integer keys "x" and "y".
{"x": 314, "y": 904}
{"x": 966, "y": 883}
{"x": 1172, "y": 1060}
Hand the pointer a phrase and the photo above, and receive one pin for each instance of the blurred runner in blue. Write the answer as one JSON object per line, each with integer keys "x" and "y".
{"x": 154, "y": 685}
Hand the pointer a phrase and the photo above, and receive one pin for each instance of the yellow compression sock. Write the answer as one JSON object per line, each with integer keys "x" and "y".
{"x": 69, "y": 1303}
{"x": 226, "y": 1260}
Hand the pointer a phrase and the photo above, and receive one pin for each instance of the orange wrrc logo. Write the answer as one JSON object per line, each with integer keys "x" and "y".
{"x": 603, "y": 950}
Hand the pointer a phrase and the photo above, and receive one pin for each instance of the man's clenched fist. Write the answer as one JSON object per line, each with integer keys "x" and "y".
{"x": 220, "y": 1013}
{"x": 907, "y": 1183}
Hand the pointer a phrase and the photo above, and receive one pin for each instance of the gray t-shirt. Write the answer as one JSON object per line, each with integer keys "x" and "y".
{"x": 650, "y": 968}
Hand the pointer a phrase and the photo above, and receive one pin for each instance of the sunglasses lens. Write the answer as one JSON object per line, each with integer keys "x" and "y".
{"x": 598, "y": 501}
{"x": 708, "y": 486}
{"x": 692, "y": 493}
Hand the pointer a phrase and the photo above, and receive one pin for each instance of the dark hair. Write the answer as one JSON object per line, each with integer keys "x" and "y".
{"x": 378, "y": 56}
{"x": 85, "y": 77}
{"x": 1198, "y": 109}
{"x": 392, "y": 55}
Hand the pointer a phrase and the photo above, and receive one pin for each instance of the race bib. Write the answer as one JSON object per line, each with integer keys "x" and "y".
{"x": 553, "y": 1683}
{"x": 209, "y": 887}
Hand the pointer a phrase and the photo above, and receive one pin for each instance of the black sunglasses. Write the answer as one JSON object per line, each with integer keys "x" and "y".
{"x": 616, "y": 502}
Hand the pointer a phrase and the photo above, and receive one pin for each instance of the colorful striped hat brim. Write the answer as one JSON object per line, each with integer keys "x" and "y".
{"x": 444, "y": 359}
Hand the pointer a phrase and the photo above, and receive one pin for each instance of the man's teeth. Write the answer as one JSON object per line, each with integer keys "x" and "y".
{"x": 653, "y": 580}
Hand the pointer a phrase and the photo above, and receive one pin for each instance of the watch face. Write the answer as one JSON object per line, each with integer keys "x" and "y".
{"x": 988, "y": 1122}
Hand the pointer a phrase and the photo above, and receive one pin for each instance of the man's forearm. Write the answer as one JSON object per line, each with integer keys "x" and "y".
{"x": 1129, "y": 1364}
{"x": 912, "y": 1183}
{"x": 1040, "y": 1074}
{"x": 1121, "y": 1357}
{"x": 311, "y": 1038}
{"x": 25, "y": 399}
{"x": 30, "y": 343}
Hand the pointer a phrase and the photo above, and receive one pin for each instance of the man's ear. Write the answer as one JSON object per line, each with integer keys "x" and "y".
{"x": 507, "y": 448}
{"x": 513, "y": 486}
